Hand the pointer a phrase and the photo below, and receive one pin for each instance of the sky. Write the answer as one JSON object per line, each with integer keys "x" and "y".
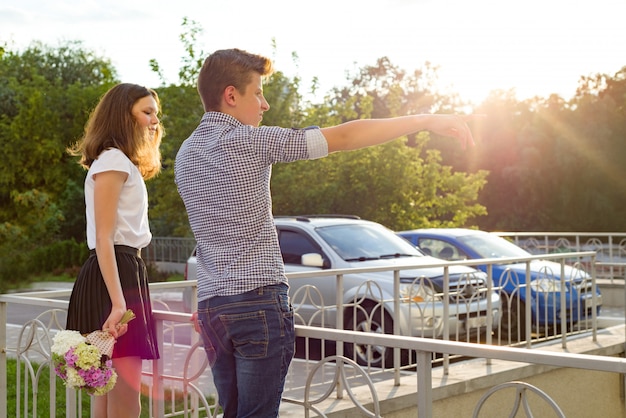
{"x": 535, "y": 47}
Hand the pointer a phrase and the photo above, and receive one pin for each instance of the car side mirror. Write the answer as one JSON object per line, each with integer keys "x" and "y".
{"x": 312, "y": 260}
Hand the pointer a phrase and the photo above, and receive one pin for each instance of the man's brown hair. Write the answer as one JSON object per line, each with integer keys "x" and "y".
{"x": 228, "y": 67}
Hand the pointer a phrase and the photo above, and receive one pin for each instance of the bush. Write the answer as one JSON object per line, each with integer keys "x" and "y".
{"x": 59, "y": 256}
{"x": 13, "y": 268}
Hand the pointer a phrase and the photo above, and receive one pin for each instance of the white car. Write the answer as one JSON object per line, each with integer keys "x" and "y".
{"x": 318, "y": 243}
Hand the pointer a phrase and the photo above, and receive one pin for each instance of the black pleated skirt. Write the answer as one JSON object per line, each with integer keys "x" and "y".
{"x": 90, "y": 304}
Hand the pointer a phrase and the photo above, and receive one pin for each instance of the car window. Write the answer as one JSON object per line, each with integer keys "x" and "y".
{"x": 430, "y": 246}
{"x": 493, "y": 246}
{"x": 441, "y": 249}
{"x": 360, "y": 242}
{"x": 294, "y": 244}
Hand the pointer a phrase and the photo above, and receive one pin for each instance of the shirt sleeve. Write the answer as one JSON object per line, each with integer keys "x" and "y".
{"x": 111, "y": 160}
{"x": 316, "y": 143}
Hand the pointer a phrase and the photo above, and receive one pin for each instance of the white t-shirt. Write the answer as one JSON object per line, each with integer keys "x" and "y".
{"x": 132, "y": 227}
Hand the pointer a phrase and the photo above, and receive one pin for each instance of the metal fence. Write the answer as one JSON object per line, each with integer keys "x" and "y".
{"x": 183, "y": 366}
{"x": 168, "y": 250}
{"x": 610, "y": 247}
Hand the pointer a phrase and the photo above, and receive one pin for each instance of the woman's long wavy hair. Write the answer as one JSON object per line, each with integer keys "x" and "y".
{"x": 112, "y": 125}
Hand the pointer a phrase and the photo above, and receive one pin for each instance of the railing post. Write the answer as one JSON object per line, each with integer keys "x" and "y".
{"x": 623, "y": 375}
{"x": 158, "y": 401}
{"x": 594, "y": 301}
{"x": 528, "y": 307}
{"x": 611, "y": 255}
{"x": 339, "y": 325}
{"x": 424, "y": 384}
{"x": 490, "y": 308}
{"x": 3, "y": 359}
{"x": 563, "y": 306}
{"x": 446, "y": 314}
{"x": 396, "y": 327}
{"x": 70, "y": 403}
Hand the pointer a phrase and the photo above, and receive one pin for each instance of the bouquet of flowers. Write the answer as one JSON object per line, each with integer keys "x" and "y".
{"x": 84, "y": 361}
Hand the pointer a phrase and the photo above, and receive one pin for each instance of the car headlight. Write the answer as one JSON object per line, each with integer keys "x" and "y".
{"x": 418, "y": 293}
{"x": 547, "y": 285}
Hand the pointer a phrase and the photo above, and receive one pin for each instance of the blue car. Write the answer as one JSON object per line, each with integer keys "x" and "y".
{"x": 545, "y": 279}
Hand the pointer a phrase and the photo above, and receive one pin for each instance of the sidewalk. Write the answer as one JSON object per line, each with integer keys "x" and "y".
{"x": 161, "y": 299}
{"x": 175, "y": 354}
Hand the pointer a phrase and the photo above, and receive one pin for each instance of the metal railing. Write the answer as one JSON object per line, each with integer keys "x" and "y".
{"x": 183, "y": 367}
{"x": 610, "y": 247}
{"x": 168, "y": 250}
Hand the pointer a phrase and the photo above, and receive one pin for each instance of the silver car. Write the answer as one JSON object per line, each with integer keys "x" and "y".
{"x": 318, "y": 243}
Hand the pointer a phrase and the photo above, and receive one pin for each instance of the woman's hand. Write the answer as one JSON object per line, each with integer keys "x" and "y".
{"x": 112, "y": 324}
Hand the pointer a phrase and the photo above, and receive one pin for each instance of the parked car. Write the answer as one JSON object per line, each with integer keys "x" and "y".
{"x": 545, "y": 278}
{"x": 318, "y": 243}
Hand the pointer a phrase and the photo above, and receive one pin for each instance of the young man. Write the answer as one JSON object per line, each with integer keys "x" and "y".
{"x": 222, "y": 172}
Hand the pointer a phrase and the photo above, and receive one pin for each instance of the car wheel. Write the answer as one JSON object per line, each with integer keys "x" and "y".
{"x": 366, "y": 317}
{"x": 513, "y": 320}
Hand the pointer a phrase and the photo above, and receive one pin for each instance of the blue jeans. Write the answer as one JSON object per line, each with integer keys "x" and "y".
{"x": 249, "y": 340}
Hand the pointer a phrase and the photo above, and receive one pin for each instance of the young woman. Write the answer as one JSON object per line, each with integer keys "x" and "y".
{"x": 120, "y": 149}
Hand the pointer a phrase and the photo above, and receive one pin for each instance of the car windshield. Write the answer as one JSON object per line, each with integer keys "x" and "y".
{"x": 360, "y": 242}
{"x": 493, "y": 246}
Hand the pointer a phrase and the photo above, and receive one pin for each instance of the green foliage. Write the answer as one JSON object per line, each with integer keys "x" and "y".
{"x": 380, "y": 183}
{"x": 182, "y": 111}
{"x": 58, "y": 256}
{"x": 540, "y": 164}
{"x": 390, "y": 184}
{"x": 43, "y": 388}
{"x": 556, "y": 165}
{"x": 397, "y": 185}
{"x": 36, "y": 222}
{"x": 71, "y": 203}
{"x": 285, "y": 101}
{"x": 46, "y": 95}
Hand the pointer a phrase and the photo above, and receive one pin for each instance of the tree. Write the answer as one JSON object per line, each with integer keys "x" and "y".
{"x": 45, "y": 97}
{"x": 597, "y": 150}
{"x": 390, "y": 184}
{"x": 182, "y": 111}
{"x": 499, "y": 150}
{"x": 555, "y": 165}
{"x": 397, "y": 185}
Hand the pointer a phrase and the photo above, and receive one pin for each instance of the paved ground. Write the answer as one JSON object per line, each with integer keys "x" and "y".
{"x": 177, "y": 354}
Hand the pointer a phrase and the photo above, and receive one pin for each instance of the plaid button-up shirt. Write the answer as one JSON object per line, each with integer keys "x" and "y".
{"x": 222, "y": 172}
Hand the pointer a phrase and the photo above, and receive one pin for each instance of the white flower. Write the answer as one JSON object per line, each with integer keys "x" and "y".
{"x": 84, "y": 362}
{"x": 66, "y": 339}
{"x": 73, "y": 379}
